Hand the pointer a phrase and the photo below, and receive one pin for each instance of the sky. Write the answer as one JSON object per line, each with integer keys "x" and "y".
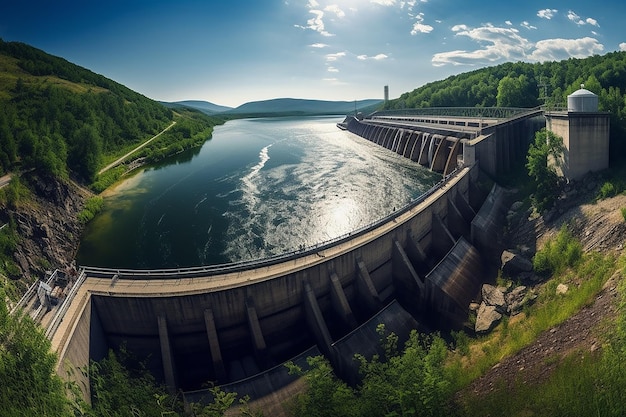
{"x": 231, "y": 52}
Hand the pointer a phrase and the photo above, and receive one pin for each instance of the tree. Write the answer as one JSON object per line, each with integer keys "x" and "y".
{"x": 86, "y": 151}
{"x": 543, "y": 156}
{"x": 407, "y": 382}
{"x": 30, "y": 386}
{"x": 516, "y": 92}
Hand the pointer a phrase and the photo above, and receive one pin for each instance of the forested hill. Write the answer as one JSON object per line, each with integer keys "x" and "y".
{"x": 62, "y": 119}
{"x": 529, "y": 85}
{"x": 526, "y": 85}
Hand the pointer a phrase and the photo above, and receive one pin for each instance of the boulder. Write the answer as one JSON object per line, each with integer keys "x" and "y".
{"x": 514, "y": 263}
{"x": 516, "y": 300}
{"x": 516, "y": 206}
{"x": 561, "y": 289}
{"x": 486, "y": 318}
{"x": 493, "y": 296}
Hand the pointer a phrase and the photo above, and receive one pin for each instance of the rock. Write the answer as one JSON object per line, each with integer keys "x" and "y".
{"x": 516, "y": 206}
{"x": 49, "y": 229}
{"x": 561, "y": 289}
{"x": 516, "y": 300}
{"x": 513, "y": 263}
{"x": 486, "y": 318}
{"x": 494, "y": 297}
{"x": 474, "y": 306}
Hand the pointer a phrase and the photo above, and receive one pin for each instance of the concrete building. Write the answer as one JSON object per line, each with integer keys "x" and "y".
{"x": 585, "y": 133}
{"x": 386, "y": 93}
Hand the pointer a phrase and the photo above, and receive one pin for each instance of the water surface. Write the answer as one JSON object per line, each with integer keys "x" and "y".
{"x": 258, "y": 188}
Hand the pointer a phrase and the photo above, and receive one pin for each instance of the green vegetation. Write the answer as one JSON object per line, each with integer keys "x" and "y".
{"x": 121, "y": 386}
{"x": 542, "y": 154}
{"x": 93, "y": 205}
{"x": 61, "y": 119}
{"x": 13, "y": 195}
{"x": 30, "y": 386}
{"x": 584, "y": 383}
{"x": 191, "y": 130}
{"x": 400, "y": 383}
{"x": 557, "y": 254}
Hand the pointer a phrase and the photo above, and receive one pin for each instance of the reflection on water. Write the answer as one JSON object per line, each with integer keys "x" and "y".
{"x": 258, "y": 188}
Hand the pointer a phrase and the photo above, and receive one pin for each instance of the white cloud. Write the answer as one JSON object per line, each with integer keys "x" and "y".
{"x": 622, "y": 46}
{"x": 332, "y": 69}
{"x": 571, "y": 15}
{"x": 508, "y": 22}
{"x": 575, "y": 18}
{"x": 315, "y": 23}
{"x": 319, "y": 45}
{"x": 458, "y": 28}
{"x": 384, "y": 2}
{"x": 527, "y": 25}
{"x": 559, "y": 49}
{"x": 505, "y": 44}
{"x": 419, "y": 26}
{"x": 501, "y": 43}
{"x": 333, "y": 8}
{"x": 547, "y": 13}
{"x": 335, "y": 57}
{"x": 378, "y": 57}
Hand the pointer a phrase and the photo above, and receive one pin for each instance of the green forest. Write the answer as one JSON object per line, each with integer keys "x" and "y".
{"x": 63, "y": 120}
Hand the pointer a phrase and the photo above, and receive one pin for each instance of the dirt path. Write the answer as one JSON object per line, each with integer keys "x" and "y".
{"x": 120, "y": 160}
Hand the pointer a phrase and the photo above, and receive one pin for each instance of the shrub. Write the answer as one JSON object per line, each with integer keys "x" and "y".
{"x": 92, "y": 207}
{"x": 558, "y": 253}
{"x": 607, "y": 190}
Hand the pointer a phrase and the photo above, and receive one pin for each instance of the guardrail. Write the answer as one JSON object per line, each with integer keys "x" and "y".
{"x": 28, "y": 295}
{"x": 211, "y": 270}
{"x": 62, "y": 309}
{"x": 477, "y": 112}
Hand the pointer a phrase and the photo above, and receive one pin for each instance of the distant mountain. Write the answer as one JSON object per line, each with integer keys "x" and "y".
{"x": 204, "y": 106}
{"x": 302, "y": 106}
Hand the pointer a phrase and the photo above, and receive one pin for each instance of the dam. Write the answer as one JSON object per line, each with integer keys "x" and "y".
{"x": 236, "y": 324}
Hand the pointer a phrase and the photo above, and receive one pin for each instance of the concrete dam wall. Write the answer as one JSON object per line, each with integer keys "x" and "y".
{"x": 434, "y": 148}
{"x": 199, "y": 326}
{"x": 237, "y": 324}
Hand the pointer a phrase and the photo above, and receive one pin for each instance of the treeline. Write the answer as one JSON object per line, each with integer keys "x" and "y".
{"x": 61, "y": 119}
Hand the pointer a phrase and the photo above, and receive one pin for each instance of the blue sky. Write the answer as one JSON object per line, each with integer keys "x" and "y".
{"x": 231, "y": 52}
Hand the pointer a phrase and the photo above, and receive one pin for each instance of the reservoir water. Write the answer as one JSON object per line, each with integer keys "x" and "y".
{"x": 257, "y": 188}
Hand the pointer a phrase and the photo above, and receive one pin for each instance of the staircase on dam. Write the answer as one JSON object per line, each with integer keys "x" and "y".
{"x": 236, "y": 324}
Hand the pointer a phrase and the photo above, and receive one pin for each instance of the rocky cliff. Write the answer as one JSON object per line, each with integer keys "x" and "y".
{"x": 47, "y": 225}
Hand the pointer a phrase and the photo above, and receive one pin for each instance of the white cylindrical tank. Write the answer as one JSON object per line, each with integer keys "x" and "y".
{"x": 582, "y": 101}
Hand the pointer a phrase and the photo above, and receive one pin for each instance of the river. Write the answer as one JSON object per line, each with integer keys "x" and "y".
{"x": 257, "y": 188}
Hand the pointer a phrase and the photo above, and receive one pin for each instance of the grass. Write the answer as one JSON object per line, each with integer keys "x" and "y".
{"x": 583, "y": 383}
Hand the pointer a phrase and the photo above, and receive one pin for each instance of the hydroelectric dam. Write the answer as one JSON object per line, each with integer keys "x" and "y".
{"x": 237, "y": 324}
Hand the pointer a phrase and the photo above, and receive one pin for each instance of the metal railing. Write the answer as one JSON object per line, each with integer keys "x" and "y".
{"x": 476, "y": 112}
{"x": 212, "y": 270}
{"x": 62, "y": 309}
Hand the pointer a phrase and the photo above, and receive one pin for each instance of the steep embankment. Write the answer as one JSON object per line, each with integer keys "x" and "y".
{"x": 599, "y": 226}
{"x": 47, "y": 226}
